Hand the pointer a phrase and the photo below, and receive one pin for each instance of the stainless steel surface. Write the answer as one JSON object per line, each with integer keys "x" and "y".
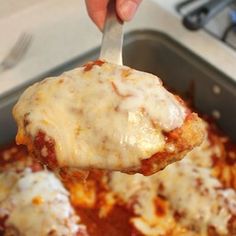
{"x": 112, "y": 41}
{"x": 212, "y": 92}
{"x": 16, "y": 53}
{"x": 218, "y": 20}
{"x": 199, "y": 17}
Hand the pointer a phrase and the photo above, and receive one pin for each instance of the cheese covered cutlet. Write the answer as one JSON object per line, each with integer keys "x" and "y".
{"x": 106, "y": 116}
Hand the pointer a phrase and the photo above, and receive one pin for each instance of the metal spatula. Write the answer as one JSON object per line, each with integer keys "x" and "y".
{"x": 112, "y": 42}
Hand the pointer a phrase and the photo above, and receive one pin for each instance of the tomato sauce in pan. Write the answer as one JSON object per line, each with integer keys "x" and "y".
{"x": 115, "y": 224}
{"x": 117, "y": 221}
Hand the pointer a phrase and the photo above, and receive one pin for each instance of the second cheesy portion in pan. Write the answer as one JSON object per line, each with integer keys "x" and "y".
{"x": 106, "y": 116}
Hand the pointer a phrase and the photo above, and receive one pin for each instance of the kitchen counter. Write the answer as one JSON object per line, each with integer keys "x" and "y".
{"x": 62, "y": 30}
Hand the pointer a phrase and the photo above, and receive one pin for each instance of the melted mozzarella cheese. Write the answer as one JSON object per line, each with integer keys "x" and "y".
{"x": 108, "y": 117}
{"x": 6, "y": 183}
{"x": 141, "y": 192}
{"x": 191, "y": 191}
{"x": 36, "y": 204}
{"x": 187, "y": 185}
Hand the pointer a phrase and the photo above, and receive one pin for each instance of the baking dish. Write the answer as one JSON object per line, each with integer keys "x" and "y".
{"x": 210, "y": 92}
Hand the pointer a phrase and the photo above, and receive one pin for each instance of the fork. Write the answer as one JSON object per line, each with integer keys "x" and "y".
{"x": 16, "y": 53}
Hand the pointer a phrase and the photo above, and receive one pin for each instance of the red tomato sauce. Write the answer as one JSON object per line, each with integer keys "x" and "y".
{"x": 117, "y": 223}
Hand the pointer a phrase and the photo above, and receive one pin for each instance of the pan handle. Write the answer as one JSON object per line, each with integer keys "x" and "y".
{"x": 197, "y": 18}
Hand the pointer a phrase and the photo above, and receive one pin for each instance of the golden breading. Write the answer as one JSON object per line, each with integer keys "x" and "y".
{"x": 178, "y": 143}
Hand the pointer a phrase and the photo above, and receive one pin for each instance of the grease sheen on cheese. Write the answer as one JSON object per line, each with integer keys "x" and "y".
{"x": 191, "y": 190}
{"x": 36, "y": 204}
{"x": 211, "y": 210}
{"x": 107, "y": 117}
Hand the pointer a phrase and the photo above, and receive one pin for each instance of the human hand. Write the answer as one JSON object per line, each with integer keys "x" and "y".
{"x": 97, "y": 10}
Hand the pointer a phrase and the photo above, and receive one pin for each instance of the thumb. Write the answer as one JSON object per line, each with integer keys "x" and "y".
{"x": 126, "y": 9}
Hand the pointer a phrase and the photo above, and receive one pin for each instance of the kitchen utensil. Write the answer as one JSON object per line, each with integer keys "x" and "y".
{"x": 111, "y": 49}
{"x": 210, "y": 89}
{"x": 17, "y": 52}
{"x": 199, "y": 17}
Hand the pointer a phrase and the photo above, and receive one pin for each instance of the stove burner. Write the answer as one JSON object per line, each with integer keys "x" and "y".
{"x": 216, "y": 17}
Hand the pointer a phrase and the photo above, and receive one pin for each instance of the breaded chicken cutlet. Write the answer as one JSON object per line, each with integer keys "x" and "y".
{"x": 106, "y": 116}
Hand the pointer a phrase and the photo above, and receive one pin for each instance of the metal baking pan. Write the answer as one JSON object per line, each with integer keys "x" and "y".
{"x": 211, "y": 91}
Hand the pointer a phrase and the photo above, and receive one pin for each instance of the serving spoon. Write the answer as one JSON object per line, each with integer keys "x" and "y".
{"x": 112, "y": 41}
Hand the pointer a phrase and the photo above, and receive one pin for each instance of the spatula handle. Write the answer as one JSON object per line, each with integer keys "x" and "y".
{"x": 112, "y": 41}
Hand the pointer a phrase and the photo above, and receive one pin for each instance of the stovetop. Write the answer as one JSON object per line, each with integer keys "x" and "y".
{"x": 222, "y": 26}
